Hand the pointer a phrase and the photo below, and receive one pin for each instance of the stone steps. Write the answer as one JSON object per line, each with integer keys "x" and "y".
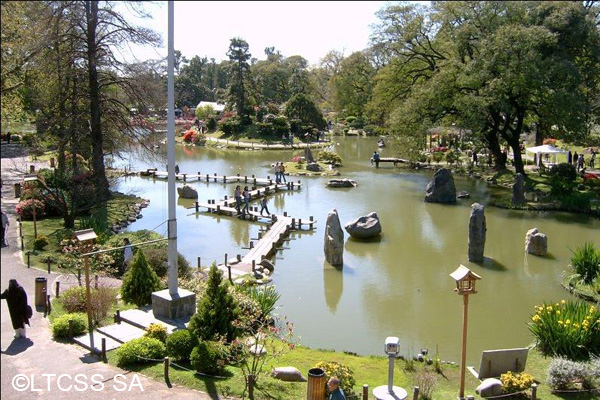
{"x": 142, "y": 318}
{"x": 84, "y": 341}
{"x": 122, "y": 332}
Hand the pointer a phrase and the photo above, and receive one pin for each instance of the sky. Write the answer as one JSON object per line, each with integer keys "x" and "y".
{"x": 309, "y": 29}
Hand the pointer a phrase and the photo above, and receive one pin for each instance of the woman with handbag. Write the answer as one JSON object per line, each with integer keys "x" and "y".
{"x": 20, "y": 312}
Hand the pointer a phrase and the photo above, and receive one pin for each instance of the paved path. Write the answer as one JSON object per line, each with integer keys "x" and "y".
{"x": 25, "y": 361}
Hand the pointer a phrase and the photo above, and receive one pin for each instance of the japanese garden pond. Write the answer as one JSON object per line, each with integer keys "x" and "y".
{"x": 398, "y": 285}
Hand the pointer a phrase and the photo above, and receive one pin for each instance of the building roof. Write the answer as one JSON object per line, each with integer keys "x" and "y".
{"x": 218, "y": 107}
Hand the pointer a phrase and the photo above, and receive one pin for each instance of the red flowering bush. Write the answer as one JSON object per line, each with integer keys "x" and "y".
{"x": 550, "y": 141}
{"x": 199, "y": 139}
{"x": 439, "y": 149}
{"x": 189, "y": 135}
{"x": 25, "y": 209}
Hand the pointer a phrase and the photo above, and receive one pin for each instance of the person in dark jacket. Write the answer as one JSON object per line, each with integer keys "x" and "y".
{"x": 16, "y": 298}
{"x": 335, "y": 391}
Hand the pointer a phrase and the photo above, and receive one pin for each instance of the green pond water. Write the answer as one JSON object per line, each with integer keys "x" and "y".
{"x": 396, "y": 286}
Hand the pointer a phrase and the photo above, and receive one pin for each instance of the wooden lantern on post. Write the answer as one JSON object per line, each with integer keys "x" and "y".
{"x": 86, "y": 237}
{"x": 465, "y": 285}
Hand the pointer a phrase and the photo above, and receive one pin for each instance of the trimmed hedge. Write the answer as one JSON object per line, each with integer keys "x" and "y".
{"x": 180, "y": 344}
{"x": 60, "y": 326}
{"x": 140, "y": 350}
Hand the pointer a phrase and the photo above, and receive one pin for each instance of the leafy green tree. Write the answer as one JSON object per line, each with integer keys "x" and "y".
{"x": 140, "y": 281}
{"x": 217, "y": 310}
{"x": 303, "y": 108}
{"x": 353, "y": 85}
{"x": 239, "y": 81}
{"x": 206, "y": 112}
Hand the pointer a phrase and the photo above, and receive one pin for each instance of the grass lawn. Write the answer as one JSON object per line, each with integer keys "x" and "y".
{"x": 370, "y": 370}
{"x": 118, "y": 207}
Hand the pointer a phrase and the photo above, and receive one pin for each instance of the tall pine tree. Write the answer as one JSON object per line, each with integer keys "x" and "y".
{"x": 140, "y": 281}
{"x": 217, "y": 310}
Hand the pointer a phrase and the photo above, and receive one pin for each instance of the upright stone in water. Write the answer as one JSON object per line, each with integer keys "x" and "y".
{"x": 518, "y": 190}
{"x": 536, "y": 243}
{"x": 334, "y": 239}
{"x": 477, "y": 231}
{"x": 364, "y": 227}
{"x": 441, "y": 189}
{"x": 308, "y": 156}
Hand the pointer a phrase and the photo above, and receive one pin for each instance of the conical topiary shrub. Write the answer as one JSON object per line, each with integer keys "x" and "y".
{"x": 140, "y": 281}
{"x": 217, "y": 310}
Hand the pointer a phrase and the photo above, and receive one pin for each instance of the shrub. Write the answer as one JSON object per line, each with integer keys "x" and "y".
{"x": 265, "y": 297}
{"x": 231, "y": 125}
{"x": 157, "y": 257}
{"x": 25, "y": 209}
{"x": 137, "y": 350}
{"x": 189, "y": 136}
{"x": 157, "y": 331}
{"x": 565, "y": 374}
{"x": 562, "y": 179}
{"x": 585, "y": 262}
{"x": 208, "y": 357}
{"x": 101, "y": 299}
{"x": 330, "y": 157}
{"x": 438, "y": 156}
{"x": 549, "y": 141}
{"x": 217, "y": 310}
{"x": 567, "y": 329}
{"x": 139, "y": 282}
{"x": 451, "y": 157}
{"x": 426, "y": 381}
{"x": 344, "y": 374}
{"x": 180, "y": 344}
{"x": 211, "y": 124}
{"x": 350, "y": 119}
{"x": 281, "y": 125}
{"x": 60, "y": 326}
{"x": 515, "y": 382}
{"x": 40, "y": 242}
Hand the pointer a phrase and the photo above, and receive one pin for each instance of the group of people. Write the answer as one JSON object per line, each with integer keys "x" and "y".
{"x": 244, "y": 195}
{"x": 579, "y": 160}
{"x": 279, "y": 172}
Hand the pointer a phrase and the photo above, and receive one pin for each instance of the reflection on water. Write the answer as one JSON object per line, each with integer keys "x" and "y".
{"x": 395, "y": 286}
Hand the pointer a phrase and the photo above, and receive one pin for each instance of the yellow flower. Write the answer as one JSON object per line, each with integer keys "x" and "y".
{"x": 560, "y": 322}
{"x": 567, "y": 322}
{"x": 557, "y": 312}
{"x": 562, "y": 301}
{"x": 535, "y": 318}
{"x": 592, "y": 309}
{"x": 549, "y": 308}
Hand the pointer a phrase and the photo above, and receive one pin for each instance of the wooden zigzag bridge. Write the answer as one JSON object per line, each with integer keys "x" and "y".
{"x": 269, "y": 240}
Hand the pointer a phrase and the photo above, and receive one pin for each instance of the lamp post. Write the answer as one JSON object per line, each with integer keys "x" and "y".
{"x": 465, "y": 285}
{"x": 86, "y": 238}
{"x": 32, "y": 178}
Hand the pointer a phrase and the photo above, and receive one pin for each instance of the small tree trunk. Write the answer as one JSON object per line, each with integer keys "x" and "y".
{"x": 251, "y": 386}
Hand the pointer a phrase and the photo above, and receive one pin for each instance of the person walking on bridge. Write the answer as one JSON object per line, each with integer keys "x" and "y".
{"x": 263, "y": 205}
{"x": 246, "y": 195}
{"x": 237, "y": 194}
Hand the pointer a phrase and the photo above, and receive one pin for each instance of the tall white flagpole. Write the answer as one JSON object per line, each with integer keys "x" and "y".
{"x": 172, "y": 247}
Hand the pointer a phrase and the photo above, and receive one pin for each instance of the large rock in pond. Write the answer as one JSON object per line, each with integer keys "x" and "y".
{"x": 334, "y": 239}
{"x": 489, "y": 387}
{"x": 364, "y": 227}
{"x": 536, "y": 243}
{"x": 477, "y": 231}
{"x": 336, "y": 183}
{"x": 441, "y": 189}
{"x": 288, "y": 374}
{"x": 187, "y": 192}
{"x": 518, "y": 190}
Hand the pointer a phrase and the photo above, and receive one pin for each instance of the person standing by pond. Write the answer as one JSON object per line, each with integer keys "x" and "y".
{"x": 237, "y": 194}
{"x": 263, "y": 205}
{"x": 16, "y": 298}
{"x": 246, "y": 195}
{"x": 5, "y": 224}
{"x": 575, "y": 158}
{"x": 127, "y": 253}
{"x": 580, "y": 162}
{"x": 336, "y": 393}
{"x": 570, "y": 157}
{"x": 376, "y": 159}
{"x": 593, "y": 159}
{"x": 282, "y": 172}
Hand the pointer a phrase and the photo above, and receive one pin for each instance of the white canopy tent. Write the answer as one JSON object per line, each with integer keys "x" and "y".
{"x": 546, "y": 149}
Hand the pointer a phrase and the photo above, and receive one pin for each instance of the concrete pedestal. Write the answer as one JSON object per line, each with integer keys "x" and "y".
{"x": 173, "y": 307}
{"x": 382, "y": 393}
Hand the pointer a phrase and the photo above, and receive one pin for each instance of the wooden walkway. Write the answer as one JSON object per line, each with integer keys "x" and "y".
{"x": 394, "y": 160}
{"x": 214, "y": 178}
{"x": 268, "y": 241}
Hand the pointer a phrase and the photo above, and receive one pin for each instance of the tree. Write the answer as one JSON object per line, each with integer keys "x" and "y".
{"x": 353, "y": 84}
{"x": 303, "y": 108}
{"x": 239, "y": 81}
{"x": 217, "y": 310}
{"x": 140, "y": 281}
{"x": 205, "y": 113}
